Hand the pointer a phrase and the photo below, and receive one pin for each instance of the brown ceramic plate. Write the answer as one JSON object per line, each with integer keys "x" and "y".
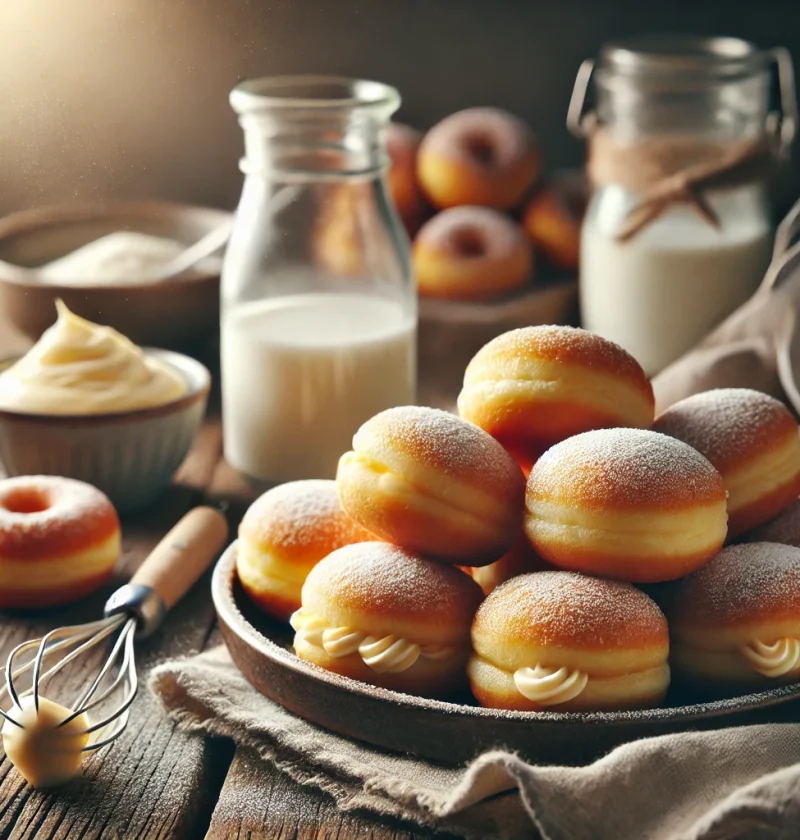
{"x": 453, "y": 732}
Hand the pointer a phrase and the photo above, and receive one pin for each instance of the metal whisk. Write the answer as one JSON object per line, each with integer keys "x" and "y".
{"x": 133, "y": 611}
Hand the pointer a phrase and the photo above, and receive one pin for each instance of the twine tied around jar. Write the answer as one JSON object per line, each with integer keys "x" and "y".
{"x": 677, "y": 170}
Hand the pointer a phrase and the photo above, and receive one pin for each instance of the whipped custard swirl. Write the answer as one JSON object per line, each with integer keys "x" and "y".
{"x": 384, "y": 654}
{"x": 549, "y": 686}
{"x": 774, "y": 660}
{"x": 80, "y": 368}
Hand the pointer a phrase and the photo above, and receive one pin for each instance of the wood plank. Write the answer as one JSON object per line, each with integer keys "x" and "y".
{"x": 258, "y": 802}
{"x": 155, "y": 782}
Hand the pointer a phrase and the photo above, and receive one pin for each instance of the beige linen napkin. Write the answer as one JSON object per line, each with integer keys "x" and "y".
{"x": 758, "y": 346}
{"x": 733, "y": 783}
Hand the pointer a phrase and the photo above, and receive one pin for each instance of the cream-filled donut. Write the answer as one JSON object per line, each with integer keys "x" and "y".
{"x": 784, "y": 529}
{"x": 566, "y": 642}
{"x": 384, "y": 615}
{"x": 533, "y": 387}
{"x": 625, "y": 503}
{"x": 471, "y": 253}
{"x": 736, "y": 622}
{"x": 519, "y": 560}
{"x": 429, "y": 481}
{"x": 284, "y": 534}
{"x": 59, "y": 540}
{"x": 754, "y": 442}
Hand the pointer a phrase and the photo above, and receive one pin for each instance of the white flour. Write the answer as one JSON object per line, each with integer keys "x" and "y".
{"x": 121, "y": 258}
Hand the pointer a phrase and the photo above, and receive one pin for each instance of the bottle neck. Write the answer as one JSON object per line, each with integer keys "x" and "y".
{"x": 306, "y": 147}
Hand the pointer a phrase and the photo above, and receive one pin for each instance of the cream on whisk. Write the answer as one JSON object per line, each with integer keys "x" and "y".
{"x": 80, "y": 368}
{"x": 44, "y": 749}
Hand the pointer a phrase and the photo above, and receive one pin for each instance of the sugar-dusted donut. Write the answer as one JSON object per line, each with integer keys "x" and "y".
{"x": 519, "y": 560}
{"x": 284, "y": 534}
{"x": 482, "y": 156}
{"x": 736, "y": 622}
{"x": 427, "y": 480}
{"x": 386, "y": 616}
{"x": 568, "y": 642}
{"x": 59, "y": 540}
{"x": 754, "y": 442}
{"x": 471, "y": 253}
{"x": 533, "y": 387}
{"x": 625, "y": 503}
{"x": 784, "y": 529}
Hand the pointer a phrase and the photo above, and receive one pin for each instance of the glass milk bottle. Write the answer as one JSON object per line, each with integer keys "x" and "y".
{"x": 318, "y": 303}
{"x": 678, "y": 231}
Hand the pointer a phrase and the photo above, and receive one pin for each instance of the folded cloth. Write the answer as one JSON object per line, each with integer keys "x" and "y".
{"x": 757, "y": 346}
{"x": 716, "y": 785}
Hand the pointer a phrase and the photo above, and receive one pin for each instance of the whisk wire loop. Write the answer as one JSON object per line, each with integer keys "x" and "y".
{"x": 81, "y": 638}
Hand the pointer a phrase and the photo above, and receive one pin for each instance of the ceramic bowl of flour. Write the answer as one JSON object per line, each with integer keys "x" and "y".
{"x": 181, "y": 313}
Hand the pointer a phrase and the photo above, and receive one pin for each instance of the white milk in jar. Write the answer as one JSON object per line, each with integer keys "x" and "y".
{"x": 682, "y": 135}
{"x": 303, "y": 372}
{"x": 318, "y": 300}
{"x": 660, "y": 292}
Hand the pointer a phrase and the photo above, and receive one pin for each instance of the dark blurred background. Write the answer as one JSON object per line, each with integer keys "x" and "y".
{"x": 128, "y": 98}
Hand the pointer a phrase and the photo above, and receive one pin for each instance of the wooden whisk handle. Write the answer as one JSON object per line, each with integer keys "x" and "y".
{"x": 178, "y": 561}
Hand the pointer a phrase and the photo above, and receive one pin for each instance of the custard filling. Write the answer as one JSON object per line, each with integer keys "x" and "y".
{"x": 384, "y": 654}
{"x": 772, "y": 660}
{"x": 549, "y": 686}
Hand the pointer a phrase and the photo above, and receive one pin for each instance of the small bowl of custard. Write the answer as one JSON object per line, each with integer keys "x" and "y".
{"x": 86, "y": 403}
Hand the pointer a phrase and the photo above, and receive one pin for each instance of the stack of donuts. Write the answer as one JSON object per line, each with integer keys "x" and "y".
{"x": 470, "y": 193}
{"x": 517, "y": 548}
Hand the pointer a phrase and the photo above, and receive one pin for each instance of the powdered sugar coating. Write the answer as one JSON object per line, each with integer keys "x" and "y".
{"x": 744, "y": 583}
{"x": 510, "y": 139}
{"x": 729, "y": 425}
{"x": 76, "y": 516}
{"x": 383, "y": 579}
{"x": 568, "y": 345}
{"x": 442, "y": 442}
{"x": 496, "y": 236}
{"x": 784, "y": 529}
{"x": 625, "y": 469}
{"x": 301, "y": 517}
{"x": 571, "y": 610}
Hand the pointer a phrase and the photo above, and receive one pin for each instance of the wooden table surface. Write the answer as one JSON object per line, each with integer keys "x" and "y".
{"x": 157, "y": 782}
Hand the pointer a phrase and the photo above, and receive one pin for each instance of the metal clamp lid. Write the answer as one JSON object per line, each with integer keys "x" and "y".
{"x": 780, "y": 124}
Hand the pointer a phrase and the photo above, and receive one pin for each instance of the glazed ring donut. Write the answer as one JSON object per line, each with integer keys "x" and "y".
{"x": 425, "y": 479}
{"x": 479, "y": 156}
{"x": 284, "y": 534}
{"x": 566, "y": 642}
{"x": 59, "y": 541}
{"x": 533, "y": 387}
{"x": 754, "y": 442}
{"x": 384, "y": 615}
{"x": 471, "y": 253}
{"x": 625, "y": 503}
{"x": 736, "y": 622}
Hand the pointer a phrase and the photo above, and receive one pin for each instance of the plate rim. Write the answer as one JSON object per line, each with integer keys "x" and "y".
{"x": 229, "y": 614}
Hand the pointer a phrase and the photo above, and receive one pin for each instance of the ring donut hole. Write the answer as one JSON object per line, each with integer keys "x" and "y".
{"x": 482, "y": 147}
{"x": 26, "y": 500}
{"x": 469, "y": 241}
